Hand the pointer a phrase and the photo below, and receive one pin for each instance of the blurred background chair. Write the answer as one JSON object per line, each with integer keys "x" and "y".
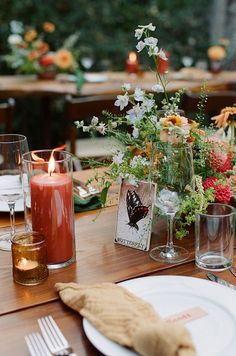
{"x": 77, "y": 109}
{"x": 7, "y": 109}
{"x": 216, "y": 101}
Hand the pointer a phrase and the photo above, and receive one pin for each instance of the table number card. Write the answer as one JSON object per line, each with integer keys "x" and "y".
{"x": 134, "y": 220}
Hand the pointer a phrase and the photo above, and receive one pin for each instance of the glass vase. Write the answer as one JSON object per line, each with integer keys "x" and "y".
{"x": 48, "y": 201}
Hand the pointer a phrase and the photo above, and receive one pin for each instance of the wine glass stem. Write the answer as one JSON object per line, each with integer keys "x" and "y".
{"x": 170, "y": 220}
{"x": 12, "y": 217}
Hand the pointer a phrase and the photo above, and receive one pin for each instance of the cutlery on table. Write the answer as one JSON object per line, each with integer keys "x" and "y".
{"x": 221, "y": 281}
{"x": 55, "y": 340}
{"x": 84, "y": 190}
{"x": 36, "y": 345}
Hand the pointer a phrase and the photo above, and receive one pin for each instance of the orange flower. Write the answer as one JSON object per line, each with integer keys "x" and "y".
{"x": 49, "y": 27}
{"x": 216, "y": 53}
{"x": 64, "y": 59}
{"x": 33, "y": 55}
{"x": 138, "y": 152}
{"x": 30, "y": 35}
{"x": 223, "y": 119}
{"x": 174, "y": 120}
{"x": 43, "y": 47}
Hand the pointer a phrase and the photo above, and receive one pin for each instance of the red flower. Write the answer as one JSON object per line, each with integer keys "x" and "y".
{"x": 219, "y": 161}
{"x": 46, "y": 60}
{"x": 222, "y": 193}
{"x": 209, "y": 183}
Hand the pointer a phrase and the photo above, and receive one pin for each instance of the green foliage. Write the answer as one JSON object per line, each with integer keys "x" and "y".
{"x": 195, "y": 202}
{"x": 105, "y": 26}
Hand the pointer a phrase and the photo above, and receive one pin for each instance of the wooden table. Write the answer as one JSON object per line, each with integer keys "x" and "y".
{"x": 98, "y": 260}
{"x": 16, "y": 85}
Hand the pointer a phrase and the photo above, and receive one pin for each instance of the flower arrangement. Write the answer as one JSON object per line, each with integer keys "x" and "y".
{"x": 31, "y": 51}
{"x": 148, "y": 125}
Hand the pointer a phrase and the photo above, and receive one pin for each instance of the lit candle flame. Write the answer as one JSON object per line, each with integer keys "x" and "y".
{"x": 36, "y": 158}
{"x": 51, "y": 163}
{"x": 132, "y": 57}
{"x": 23, "y": 262}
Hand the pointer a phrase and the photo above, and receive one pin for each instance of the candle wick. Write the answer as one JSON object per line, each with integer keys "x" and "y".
{"x": 50, "y": 173}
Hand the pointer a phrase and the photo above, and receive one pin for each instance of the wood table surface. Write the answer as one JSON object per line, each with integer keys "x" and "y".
{"x": 23, "y": 85}
{"x": 98, "y": 259}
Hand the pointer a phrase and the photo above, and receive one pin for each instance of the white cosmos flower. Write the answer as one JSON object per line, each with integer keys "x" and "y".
{"x": 158, "y": 88}
{"x": 153, "y": 51}
{"x": 151, "y": 41}
{"x": 162, "y": 55}
{"x": 94, "y": 120}
{"x": 131, "y": 179}
{"x": 14, "y": 39}
{"x": 122, "y": 101}
{"x": 140, "y": 46}
{"x": 126, "y": 86}
{"x": 135, "y": 114}
{"x": 135, "y": 132}
{"x": 139, "y": 94}
{"x": 114, "y": 125}
{"x": 149, "y": 27}
{"x": 138, "y": 33}
{"x": 79, "y": 123}
{"x": 101, "y": 128}
{"x": 86, "y": 128}
{"x": 118, "y": 158}
{"x": 148, "y": 104}
{"x": 139, "y": 160}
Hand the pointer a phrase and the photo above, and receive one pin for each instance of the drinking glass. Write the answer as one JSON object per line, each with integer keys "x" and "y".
{"x": 215, "y": 232}
{"x": 12, "y": 146}
{"x": 174, "y": 165}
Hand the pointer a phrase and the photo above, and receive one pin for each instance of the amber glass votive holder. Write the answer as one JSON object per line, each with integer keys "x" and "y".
{"x": 29, "y": 258}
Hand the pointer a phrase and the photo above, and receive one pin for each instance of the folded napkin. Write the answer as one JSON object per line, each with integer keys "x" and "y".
{"x": 127, "y": 319}
{"x": 85, "y": 204}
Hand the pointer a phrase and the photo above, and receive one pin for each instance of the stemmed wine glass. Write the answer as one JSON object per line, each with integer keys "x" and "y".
{"x": 174, "y": 172}
{"x": 12, "y": 146}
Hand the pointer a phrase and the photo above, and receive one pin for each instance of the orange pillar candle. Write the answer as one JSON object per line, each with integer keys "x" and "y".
{"x": 52, "y": 211}
{"x": 132, "y": 63}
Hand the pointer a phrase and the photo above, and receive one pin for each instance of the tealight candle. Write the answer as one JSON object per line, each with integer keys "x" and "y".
{"x": 26, "y": 265}
{"x": 29, "y": 258}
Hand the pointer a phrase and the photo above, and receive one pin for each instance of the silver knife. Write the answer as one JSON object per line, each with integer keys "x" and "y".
{"x": 221, "y": 281}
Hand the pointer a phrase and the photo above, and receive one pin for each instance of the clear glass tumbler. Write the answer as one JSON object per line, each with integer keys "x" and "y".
{"x": 215, "y": 232}
{"x": 49, "y": 207}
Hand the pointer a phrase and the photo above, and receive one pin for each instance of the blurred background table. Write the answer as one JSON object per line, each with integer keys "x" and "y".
{"x": 109, "y": 83}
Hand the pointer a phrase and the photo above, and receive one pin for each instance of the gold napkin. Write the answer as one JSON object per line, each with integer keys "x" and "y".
{"x": 127, "y": 319}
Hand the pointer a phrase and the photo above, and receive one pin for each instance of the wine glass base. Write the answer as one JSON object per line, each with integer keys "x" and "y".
{"x": 5, "y": 242}
{"x": 165, "y": 254}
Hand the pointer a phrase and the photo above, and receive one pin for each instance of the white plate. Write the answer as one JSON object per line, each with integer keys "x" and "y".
{"x": 19, "y": 207}
{"x": 213, "y": 334}
{"x": 95, "y": 77}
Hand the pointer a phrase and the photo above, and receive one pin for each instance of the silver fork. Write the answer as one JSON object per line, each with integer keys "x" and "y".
{"x": 36, "y": 345}
{"x": 55, "y": 340}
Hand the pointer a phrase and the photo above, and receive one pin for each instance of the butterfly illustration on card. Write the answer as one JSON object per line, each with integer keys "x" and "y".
{"x": 136, "y": 210}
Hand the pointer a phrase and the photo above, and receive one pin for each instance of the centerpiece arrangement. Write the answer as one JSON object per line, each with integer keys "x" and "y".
{"x": 34, "y": 52}
{"x": 150, "y": 131}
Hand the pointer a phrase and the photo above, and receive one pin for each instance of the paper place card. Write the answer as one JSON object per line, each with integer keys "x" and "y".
{"x": 187, "y": 316}
{"x": 134, "y": 217}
